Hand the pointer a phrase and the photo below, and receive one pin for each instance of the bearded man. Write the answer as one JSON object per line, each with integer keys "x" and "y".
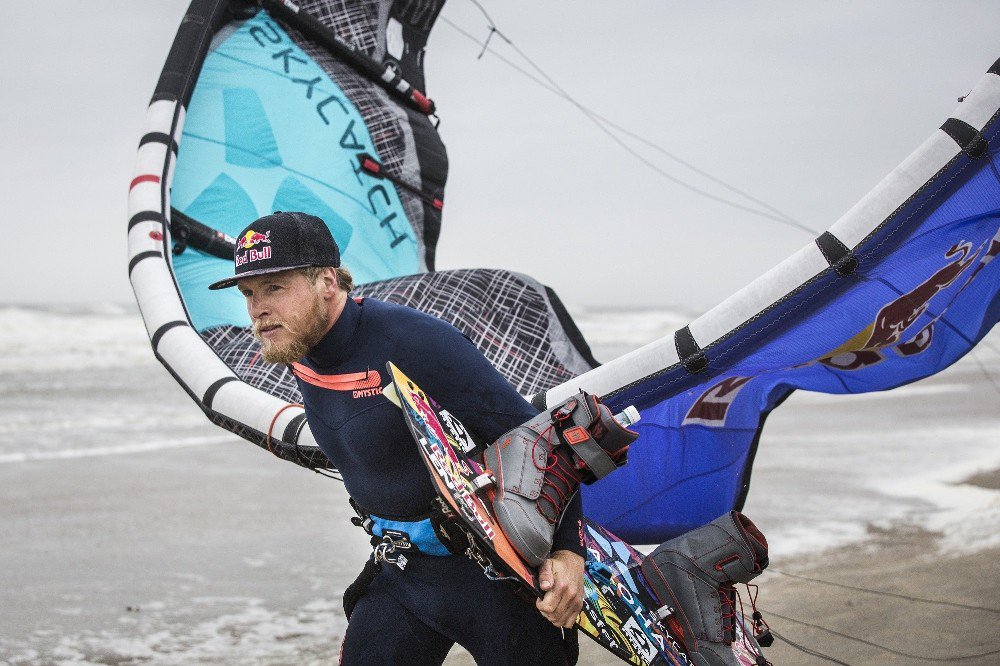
{"x": 410, "y": 611}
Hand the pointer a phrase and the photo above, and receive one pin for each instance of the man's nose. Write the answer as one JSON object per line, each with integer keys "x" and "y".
{"x": 256, "y": 307}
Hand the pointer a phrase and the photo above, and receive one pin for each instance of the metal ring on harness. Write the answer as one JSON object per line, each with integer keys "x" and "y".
{"x": 393, "y": 548}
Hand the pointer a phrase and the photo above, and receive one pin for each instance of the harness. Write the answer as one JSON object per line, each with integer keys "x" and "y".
{"x": 395, "y": 539}
{"x": 438, "y": 532}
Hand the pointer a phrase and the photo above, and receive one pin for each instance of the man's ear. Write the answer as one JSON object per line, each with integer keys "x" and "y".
{"x": 328, "y": 282}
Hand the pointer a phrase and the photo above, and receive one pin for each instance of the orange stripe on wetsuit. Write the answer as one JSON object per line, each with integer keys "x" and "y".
{"x": 353, "y": 381}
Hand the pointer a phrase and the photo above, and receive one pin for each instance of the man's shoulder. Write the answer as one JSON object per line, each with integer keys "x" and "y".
{"x": 394, "y": 314}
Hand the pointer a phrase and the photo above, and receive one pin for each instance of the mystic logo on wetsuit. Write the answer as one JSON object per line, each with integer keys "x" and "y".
{"x": 361, "y": 384}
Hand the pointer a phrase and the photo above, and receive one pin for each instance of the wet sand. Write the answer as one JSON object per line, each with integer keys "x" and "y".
{"x": 900, "y": 561}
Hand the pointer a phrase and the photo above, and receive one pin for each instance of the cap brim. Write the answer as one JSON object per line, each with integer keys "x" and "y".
{"x": 231, "y": 281}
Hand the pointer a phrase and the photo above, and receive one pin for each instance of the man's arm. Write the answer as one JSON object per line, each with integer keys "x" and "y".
{"x": 561, "y": 575}
{"x": 569, "y": 533}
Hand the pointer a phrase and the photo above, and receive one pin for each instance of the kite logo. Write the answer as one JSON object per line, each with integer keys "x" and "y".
{"x": 713, "y": 405}
{"x": 867, "y": 347}
{"x": 251, "y": 238}
{"x": 307, "y": 76}
{"x": 897, "y": 316}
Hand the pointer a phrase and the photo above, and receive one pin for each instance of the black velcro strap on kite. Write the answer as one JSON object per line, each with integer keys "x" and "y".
{"x": 374, "y": 168}
{"x": 379, "y": 73}
{"x": 294, "y": 427}
{"x": 995, "y": 69}
{"x": 688, "y": 351}
{"x": 159, "y": 137}
{"x": 142, "y": 256}
{"x": 214, "y": 388}
{"x": 969, "y": 139}
{"x": 838, "y": 255}
{"x": 161, "y": 331}
{"x": 145, "y": 216}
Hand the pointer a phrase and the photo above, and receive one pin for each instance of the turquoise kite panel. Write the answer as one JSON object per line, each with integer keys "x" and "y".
{"x": 268, "y": 130}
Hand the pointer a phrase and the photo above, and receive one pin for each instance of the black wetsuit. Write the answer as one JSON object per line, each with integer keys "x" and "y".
{"x": 414, "y": 615}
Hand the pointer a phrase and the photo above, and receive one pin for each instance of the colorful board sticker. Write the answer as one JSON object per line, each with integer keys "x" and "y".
{"x": 440, "y": 437}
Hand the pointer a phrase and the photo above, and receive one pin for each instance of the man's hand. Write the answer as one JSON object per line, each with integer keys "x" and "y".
{"x": 561, "y": 578}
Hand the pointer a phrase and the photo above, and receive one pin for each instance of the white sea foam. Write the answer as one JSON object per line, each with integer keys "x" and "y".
{"x": 252, "y": 633}
{"x": 65, "y": 339}
{"x": 118, "y": 450}
{"x": 611, "y": 333}
{"x": 833, "y": 496}
{"x": 967, "y": 516}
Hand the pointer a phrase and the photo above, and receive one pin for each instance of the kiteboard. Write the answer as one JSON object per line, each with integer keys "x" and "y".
{"x": 618, "y": 606}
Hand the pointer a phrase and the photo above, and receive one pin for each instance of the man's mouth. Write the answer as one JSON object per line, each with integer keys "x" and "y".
{"x": 268, "y": 330}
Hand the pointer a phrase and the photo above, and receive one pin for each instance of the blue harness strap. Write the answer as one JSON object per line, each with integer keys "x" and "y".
{"x": 420, "y": 533}
{"x": 400, "y": 536}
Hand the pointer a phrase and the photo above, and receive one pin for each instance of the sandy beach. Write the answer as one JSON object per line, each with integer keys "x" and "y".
{"x": 136, "y": 532}
{"x": 884, "y": 629}
{"x": 219, "y": 556}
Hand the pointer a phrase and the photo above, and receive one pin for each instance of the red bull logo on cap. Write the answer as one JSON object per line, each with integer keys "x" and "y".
{"x": 252, "y": 255}
{"x": 251, "y": 238}
{"x": 248, "y": 241}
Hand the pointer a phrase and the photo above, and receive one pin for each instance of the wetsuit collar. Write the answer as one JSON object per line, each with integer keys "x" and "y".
{"x": 334, "y": 346}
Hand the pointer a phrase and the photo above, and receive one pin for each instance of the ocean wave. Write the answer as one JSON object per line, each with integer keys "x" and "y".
{"x": 65, "y": 337}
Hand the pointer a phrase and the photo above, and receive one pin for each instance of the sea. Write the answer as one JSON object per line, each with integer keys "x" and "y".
{"x": 135, "y": 531}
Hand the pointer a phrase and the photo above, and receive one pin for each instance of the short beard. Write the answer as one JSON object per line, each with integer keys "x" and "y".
{"x": 305, "y": 329}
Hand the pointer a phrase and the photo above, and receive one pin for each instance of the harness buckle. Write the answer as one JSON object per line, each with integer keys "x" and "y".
{"x": 393, "y": 548}
{"x": 363, "y": 519}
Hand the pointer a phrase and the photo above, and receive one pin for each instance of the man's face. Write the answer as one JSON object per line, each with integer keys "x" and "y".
{"x": 289, "y": 313}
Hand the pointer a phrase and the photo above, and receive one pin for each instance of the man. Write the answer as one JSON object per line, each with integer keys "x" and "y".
{"x": 288, "y": 268}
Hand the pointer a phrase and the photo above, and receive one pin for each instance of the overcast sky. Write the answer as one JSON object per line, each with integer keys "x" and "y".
{"x": 804, "y": 105}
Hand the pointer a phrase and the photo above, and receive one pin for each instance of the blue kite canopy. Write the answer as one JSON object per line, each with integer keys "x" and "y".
{"x": 900, "y": 288}
{"x": 319, "y": 107}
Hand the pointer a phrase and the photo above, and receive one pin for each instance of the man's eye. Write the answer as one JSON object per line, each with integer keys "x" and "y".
{"x": 273, "y": 287}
